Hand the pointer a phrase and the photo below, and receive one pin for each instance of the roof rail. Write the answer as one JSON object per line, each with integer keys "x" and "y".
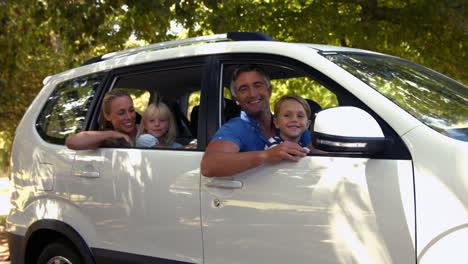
{"x": 236, "y": 36}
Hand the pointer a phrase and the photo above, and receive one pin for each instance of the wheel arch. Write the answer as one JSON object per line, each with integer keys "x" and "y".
{"x": 45, "y": 231}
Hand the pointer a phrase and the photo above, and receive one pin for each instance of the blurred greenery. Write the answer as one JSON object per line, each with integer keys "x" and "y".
{"x": 305, "y": 87}
{"x": 43, "y": 37}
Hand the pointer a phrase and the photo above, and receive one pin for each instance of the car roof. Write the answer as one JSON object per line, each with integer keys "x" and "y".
{"x": 228, "y": 41}
{"x": 234, "y": 38}
{"x": 330, "y": 48}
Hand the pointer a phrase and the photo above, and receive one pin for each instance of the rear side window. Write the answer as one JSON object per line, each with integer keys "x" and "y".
{"x": 179, "y": 87}
{"x": 65, "y": 111}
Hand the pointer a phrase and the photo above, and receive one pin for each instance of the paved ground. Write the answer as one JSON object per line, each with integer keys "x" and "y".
{"x": 4, "y": 253}
{"x": 4, "y": 208}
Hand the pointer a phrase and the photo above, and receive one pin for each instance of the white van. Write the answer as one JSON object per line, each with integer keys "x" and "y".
{"x": 391, "y": 186}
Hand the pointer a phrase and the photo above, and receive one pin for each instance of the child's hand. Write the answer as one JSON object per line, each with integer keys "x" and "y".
{"x": 147, "y": 140}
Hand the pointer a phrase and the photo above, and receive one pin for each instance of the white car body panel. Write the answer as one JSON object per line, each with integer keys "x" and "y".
{"x": 441, "y": 197}
{"x": 321, "y": 209}
{"x": 46, "y": 165}
{"x": 143, "y": 201}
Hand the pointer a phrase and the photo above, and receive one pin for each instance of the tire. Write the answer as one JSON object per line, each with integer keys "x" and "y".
{"x": 59, "y": 252}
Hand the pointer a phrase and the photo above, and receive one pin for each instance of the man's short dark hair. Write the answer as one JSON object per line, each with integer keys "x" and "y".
{"x": 247, "y": 68}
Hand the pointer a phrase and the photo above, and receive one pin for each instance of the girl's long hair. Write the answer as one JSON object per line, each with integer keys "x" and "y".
{"x": 160, "y": 108}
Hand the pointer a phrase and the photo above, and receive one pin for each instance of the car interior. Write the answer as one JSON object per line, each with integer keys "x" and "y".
{"x": 177, "y": 88}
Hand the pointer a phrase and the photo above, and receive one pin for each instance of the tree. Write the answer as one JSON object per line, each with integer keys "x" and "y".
{"x": 430, "y": 32}
{"x": 40, "y": 38}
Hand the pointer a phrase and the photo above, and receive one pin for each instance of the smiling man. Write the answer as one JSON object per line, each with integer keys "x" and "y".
{"x": 239, "y": 144}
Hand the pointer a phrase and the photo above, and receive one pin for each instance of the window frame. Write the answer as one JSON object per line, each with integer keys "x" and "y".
{"x": 396, "y": 147}
{"x": 114, "y": 74}
{"x": 91, "y": 104}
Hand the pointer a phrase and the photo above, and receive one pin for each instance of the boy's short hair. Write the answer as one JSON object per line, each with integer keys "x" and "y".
{"x": 296, "y": 98}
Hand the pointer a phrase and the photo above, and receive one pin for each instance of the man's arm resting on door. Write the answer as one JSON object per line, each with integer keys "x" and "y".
{"x": 222, "y": 157}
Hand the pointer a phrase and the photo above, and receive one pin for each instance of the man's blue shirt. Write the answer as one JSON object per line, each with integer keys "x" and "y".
{"x": 245, "y": 133}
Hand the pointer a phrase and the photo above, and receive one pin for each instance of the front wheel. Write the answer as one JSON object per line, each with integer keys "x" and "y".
{"x": 59, "y": 252}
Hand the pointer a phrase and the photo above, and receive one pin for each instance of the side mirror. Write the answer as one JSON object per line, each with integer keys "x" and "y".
{"x": 347, "y": 129}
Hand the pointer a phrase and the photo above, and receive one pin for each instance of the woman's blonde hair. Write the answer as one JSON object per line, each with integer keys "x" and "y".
{"x": 160, "y": 109}
{"x": 104, "y": 124}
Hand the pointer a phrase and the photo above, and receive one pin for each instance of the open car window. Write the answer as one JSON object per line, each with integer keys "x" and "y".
{"x": 284, "y": 80}
{"x": 177, "y": 87}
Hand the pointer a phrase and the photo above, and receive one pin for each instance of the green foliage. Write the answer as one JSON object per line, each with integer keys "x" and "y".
{"x": 194, "y": 100}
{"x": 43, "y": 37}
{"x": 430, "y": 32}
{"x": 304, "y": 87}
{"x": 2, "y": 222}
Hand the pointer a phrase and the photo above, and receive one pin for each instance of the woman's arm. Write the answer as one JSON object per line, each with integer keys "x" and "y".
{"x": 93, "y": 139}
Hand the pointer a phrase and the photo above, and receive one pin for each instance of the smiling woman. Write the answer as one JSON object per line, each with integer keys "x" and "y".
{"x": 117, "y": 120}
{"x": 118, "y": 112}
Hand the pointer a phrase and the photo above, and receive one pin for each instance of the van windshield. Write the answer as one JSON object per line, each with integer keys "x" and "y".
{"x": 433, "y": 98}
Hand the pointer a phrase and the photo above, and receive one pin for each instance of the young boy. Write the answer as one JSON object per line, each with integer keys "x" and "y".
{"x": 292, "y": 115}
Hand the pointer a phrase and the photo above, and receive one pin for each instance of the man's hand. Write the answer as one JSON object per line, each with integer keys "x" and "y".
{"x": 284, "y": 151}
{"x": 222, "y": 158}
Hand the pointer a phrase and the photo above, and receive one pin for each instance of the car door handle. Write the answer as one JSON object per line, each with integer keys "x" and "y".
{"x": 86, "y": 174}
{"x": 225, "y": 184}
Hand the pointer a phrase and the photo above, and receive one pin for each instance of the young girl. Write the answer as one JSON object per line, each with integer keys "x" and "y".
{"x": 292, "y": 114}
{"x": 157, "y": 128}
